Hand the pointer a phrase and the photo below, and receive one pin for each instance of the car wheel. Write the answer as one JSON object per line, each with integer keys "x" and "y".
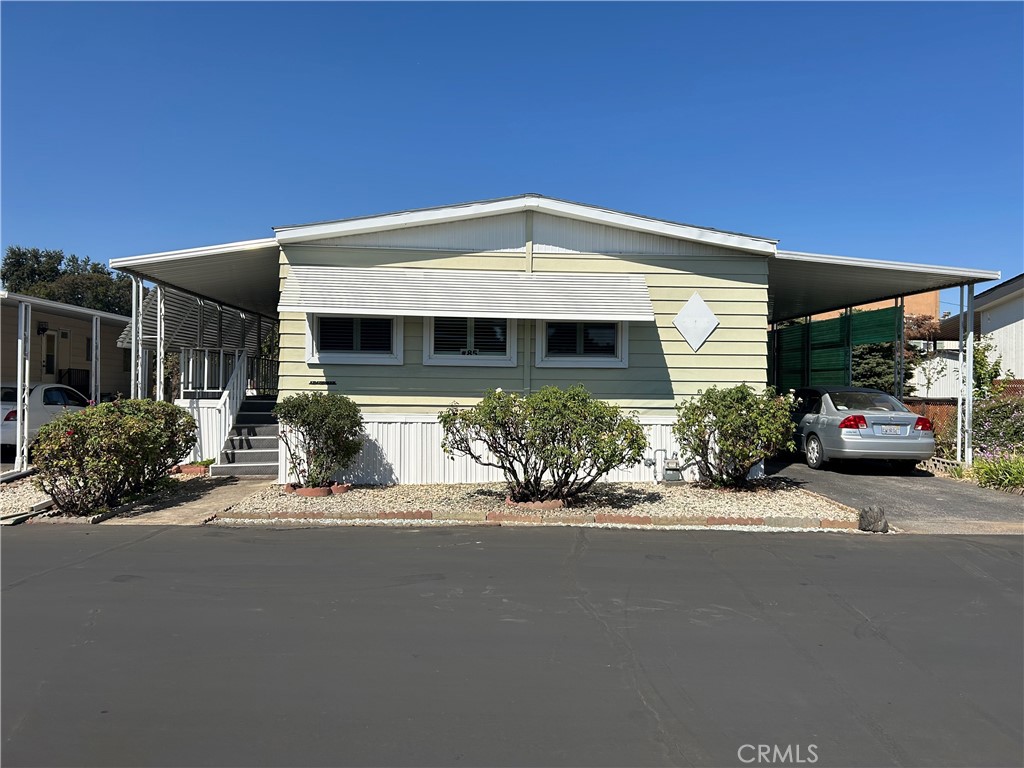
{"x": 905, "y": 466}
{"x": 815, "y": 454}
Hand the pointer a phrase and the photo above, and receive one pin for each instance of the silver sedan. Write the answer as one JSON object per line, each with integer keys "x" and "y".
{"x": 858, "y": 423}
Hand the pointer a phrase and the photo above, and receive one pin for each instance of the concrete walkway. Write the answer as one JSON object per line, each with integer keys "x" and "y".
{"x": 205, "y": 497}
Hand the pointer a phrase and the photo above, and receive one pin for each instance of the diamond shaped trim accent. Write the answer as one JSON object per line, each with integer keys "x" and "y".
{"x": 695, "y": 322}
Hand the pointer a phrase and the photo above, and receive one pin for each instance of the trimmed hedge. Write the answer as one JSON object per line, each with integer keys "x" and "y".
{"x": 323, "y": 434}
{"x": 551, "y": 444}
{"x": 726, "y": 432}
{"x": 94, "y": 459}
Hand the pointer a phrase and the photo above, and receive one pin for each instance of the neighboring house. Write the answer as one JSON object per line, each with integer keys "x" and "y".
{"x": 63, "y": 344}
{"x": 999, "y": 317}
{"x": 409, "y": 312}
{"x": 926, "y": 304}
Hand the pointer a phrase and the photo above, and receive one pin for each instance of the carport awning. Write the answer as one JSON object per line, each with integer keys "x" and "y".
{"x": 243, "y": 275}
{"x": 465, "y": 293}
{"x": 802, "y": 284}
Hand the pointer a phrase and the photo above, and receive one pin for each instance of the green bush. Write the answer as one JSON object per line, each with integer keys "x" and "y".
{"x": 1004, "y": 471}
{"x": 96, "y": 458}
{"x": 550, "y": 444}
{"x": 323, "y": 434}
{"x": 726, "y": 432}
{"x": 998, "y": 425}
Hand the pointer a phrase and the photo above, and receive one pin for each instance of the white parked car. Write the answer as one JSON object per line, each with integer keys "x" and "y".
{"x": 45, "y": 403}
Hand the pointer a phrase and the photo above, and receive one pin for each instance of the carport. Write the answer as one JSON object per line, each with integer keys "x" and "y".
{"x": 804, "y": 284}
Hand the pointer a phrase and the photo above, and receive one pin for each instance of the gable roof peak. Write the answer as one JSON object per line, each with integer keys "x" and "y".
{"x": 530, "y": 201}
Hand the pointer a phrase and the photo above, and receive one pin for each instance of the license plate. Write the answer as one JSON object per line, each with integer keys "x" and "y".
{"x": 890, "y": 429}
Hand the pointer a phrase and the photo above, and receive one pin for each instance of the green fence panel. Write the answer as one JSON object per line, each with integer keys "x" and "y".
{"x": 819, "y": 353}
{"x": 876, "y": 327}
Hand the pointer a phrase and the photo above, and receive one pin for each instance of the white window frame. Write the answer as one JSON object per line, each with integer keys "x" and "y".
{"x": 580, "y": 361}
{"x": 511, "y": 360}
{"x": 314, "y": 355}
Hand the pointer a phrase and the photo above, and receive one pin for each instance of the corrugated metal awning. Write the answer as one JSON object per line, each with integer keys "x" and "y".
{"x": 465, "y": 293}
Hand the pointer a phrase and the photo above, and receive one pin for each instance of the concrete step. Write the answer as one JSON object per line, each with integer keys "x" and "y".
{"x": 248, "y": 470}
{"x": 256, "y": 406}
{"x": 247, "y": 442}
{"x": 253, "y": 430}
{"x": 255, "y": 417}
{"x": 248, "y": 457}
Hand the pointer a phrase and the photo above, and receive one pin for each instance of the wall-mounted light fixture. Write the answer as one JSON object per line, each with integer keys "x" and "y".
{"x": 42, "y": 327}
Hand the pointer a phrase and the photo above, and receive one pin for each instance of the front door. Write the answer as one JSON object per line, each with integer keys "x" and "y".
{"x": 48, "y": 372}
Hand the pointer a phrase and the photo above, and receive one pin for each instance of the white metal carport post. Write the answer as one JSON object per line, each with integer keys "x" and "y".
{"x": 160, "y": 341}
{"x": 138, "y": 384}
{"x": 94, "y": 369}
{"x": 23, "y": 383}
{"x": 965, "y": 393}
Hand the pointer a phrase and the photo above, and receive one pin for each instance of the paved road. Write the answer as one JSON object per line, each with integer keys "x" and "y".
{"x": 495, "y": 646}
{"x": 921, "y": 503}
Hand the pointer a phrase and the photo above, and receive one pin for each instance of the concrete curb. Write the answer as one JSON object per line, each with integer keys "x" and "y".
{"x": 525, "y": 519}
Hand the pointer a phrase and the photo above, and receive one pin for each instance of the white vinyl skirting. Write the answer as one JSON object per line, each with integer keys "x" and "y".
{"x": 404, "y": 448}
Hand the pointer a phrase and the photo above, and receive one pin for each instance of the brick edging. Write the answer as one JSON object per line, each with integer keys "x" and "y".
{"x": 513, "y": 518}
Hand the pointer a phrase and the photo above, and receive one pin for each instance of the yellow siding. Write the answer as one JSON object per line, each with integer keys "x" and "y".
{"x": 663, "y": 369}
{"x": 112, "y": 376}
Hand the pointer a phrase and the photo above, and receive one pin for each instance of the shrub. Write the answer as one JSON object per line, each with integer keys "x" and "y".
{"x": 726, "y": 432}
{"x": 550, "y": 444}
{"x": 1004, "y": 471}
{"x": 998, "y": 424}
{"x": 323, "y": 434}
{"x": 96, "y": 458}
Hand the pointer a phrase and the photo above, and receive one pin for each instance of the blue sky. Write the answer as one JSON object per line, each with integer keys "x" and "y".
{"x": 880, "y": 130}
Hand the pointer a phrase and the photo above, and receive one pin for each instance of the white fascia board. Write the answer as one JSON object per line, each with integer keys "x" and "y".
{"x": 59, "y": 308}
{"x": 363, "y": 226}
{"x": 653, "y": 226}
{"x": 969, "y": 275}
{"x": 127, "y": 262}
{"x": 576, "y": 211}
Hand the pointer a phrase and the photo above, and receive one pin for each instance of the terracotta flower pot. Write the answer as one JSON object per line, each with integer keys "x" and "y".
{"x": 340, "y": 487}
{"x": 313, "y": 492}
{"x": 194, "y": 469}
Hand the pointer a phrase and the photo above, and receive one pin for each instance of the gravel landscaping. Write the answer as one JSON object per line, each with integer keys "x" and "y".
{"x": 19, "y": 496}
{"x": 773, "y": 501}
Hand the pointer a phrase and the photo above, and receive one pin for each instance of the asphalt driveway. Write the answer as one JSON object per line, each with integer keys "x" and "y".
{"x": 919, "y": 503}
{"x": 137, "y": 646}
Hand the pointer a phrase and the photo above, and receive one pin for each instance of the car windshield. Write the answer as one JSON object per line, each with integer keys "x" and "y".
{"x": 866, "y": 401}
{"x": 7, "y": 394}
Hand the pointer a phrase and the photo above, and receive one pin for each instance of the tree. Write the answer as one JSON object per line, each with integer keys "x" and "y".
{"x": 49, "y": 274}
{"x": 872, "y": 364}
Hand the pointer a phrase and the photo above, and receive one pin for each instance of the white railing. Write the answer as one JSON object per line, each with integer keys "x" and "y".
{"x": 232, "y": 397}
{"x": 208, "y": 369}
{"x": 215, "y": 418}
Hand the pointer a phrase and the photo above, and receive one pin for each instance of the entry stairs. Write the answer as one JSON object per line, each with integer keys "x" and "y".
{"x": 251, "y": 447}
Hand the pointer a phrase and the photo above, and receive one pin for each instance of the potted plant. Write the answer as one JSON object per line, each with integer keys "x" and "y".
{"x": 322, "y": 433}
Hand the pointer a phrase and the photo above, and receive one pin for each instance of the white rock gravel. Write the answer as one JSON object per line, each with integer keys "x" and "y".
{"x": 19, "y": 496}
{"x": 771, "y": 498}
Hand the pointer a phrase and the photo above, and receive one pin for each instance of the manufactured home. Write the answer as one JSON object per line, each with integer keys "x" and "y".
{"x": 409, "y": 312}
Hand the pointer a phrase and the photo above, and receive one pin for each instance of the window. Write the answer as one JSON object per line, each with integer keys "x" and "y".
{"x": 74, "y": 398}
{"x": 354, "y": 340}
{"x": 582, "y": 345}
{"x": 478, "y": 341}
{"x": 54, "y": 396}
{"x": 126, "y": 360}
{"x": 88, "y": 349}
